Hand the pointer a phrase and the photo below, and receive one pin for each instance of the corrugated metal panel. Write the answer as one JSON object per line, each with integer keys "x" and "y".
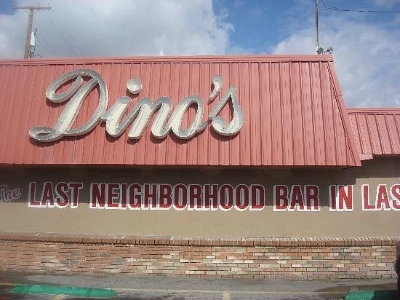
{"x": 376, "y": 131}
{"x": 293, "y": 112}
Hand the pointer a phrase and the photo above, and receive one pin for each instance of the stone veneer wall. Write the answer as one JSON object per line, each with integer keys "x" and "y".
{"x": 296, "y": 258}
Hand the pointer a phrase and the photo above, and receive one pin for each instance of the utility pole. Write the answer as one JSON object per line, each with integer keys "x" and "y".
{"x": 320, "y": 50}
{"x": 30, "y": 22}
{"x": 317, "y": 27}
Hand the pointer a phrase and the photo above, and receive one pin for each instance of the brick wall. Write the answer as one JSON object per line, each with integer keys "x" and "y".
{"x": 208, "y": 257}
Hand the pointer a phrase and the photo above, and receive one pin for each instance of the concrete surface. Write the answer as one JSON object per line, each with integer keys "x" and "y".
{"x": 146, "y": 288}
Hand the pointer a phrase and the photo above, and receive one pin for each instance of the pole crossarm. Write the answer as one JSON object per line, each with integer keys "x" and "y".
{"x": 32, "y": 7}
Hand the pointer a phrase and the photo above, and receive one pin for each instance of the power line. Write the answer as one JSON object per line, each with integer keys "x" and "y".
{"x": 359, "y": 10}
{"x": 71, "y": 37}
{"x": 49, "y": 45}
{"x": 59, "y": 34}
{"x": 63, "y": 37}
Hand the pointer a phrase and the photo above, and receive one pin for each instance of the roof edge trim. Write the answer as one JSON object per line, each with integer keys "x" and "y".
{"x": 366, "y": 156}
{"x": 384, "y": 110}
{"x": 203, "y": 58}
{"x": 343, "y": 113}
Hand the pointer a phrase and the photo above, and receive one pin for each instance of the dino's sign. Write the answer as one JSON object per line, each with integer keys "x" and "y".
{"x": 167, "y": 119}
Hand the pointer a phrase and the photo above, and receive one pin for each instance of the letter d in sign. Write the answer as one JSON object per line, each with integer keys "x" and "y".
{"x": 78, "y": 93}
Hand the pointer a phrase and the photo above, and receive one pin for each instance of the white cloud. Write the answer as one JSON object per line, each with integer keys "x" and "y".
{"x": 386, "y": 3}
{"x": 366, "y": 55}
{"x": 118, "y": 28}
{"x": 12, "y": 35}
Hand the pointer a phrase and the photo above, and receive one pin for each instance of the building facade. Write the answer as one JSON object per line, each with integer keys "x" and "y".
{"x": 229, "y": 166}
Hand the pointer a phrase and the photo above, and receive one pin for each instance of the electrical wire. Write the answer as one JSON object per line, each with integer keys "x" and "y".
{"x": 80, "y": 50}
{"x": 359, "y": 10}
{"x": 62, "y": 36}
{"x": 49, "y": 46}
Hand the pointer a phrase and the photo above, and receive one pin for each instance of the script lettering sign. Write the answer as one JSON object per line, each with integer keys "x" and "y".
{"x": 166, "y": 121}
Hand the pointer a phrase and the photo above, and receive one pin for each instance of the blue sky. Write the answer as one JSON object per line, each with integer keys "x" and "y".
{"x": 261, "y": 24}
{"x": 366, "y": 45}
{"x": 258, "y": 24}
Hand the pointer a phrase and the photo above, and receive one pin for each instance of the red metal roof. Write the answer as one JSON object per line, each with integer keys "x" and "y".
{"x": 293, "y": 109}
{"x": 376, "y": 131}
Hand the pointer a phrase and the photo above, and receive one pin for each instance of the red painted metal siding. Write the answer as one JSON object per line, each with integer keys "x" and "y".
{"x": 293, "y": 112}
{"x": 376, "y": 131}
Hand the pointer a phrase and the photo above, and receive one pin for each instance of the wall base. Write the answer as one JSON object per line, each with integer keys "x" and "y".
{"x": 292, "y": 258}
